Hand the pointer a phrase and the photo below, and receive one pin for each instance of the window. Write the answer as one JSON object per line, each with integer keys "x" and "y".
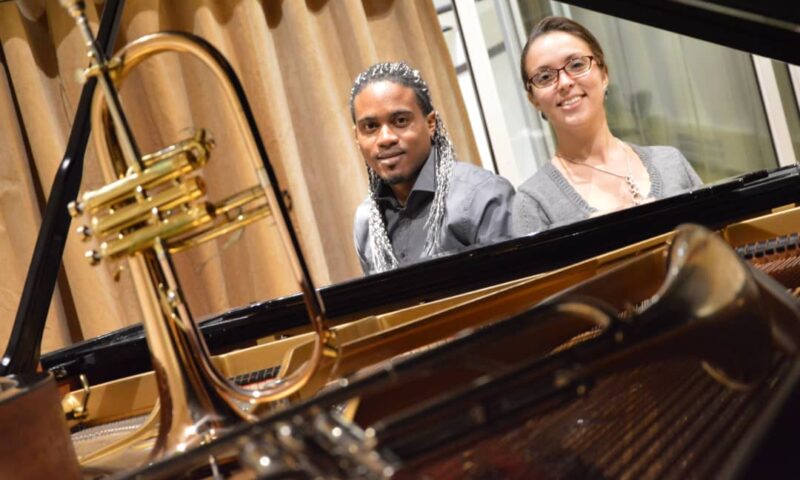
{"x": 728, "y": 111}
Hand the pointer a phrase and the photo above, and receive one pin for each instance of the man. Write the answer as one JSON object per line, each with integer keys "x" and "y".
{"x": 422, "y": 203}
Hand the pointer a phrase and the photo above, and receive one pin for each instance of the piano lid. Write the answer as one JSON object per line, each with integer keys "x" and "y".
{"x": 767, "y": 27}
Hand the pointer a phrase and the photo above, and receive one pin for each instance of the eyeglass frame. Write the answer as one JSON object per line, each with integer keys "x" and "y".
{"x": 529, "y": 85}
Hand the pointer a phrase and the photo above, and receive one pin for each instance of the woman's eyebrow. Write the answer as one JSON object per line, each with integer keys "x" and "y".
{"x": 566, "y": 58}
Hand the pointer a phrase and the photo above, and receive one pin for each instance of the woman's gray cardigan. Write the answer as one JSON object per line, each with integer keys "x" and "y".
{"x": 547, "y": 199}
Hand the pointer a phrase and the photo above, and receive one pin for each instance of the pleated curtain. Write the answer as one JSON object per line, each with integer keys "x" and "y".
{"x": 296, "y": 60}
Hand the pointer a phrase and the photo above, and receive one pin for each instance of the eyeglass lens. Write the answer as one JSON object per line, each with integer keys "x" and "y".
{"x": 574, "y": 67}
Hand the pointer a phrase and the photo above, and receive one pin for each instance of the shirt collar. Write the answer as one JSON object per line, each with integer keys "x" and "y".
{"x": 425, "y": 183}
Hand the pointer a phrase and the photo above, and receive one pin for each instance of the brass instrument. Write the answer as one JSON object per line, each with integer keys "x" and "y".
{"x": 154, "y": 205}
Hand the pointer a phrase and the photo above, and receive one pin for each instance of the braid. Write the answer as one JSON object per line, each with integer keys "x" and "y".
{"x": 383, "y": 257}
{"x": 445, "y": 160}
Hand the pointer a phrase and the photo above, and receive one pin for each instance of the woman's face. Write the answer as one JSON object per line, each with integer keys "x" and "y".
{"x": 570, "y": 102}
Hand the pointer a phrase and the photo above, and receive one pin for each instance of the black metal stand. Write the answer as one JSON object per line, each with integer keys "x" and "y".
{"x": 22, "y": 353}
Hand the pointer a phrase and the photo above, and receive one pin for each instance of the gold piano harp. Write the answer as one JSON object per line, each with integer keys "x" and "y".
{"x": 154, "y": 205}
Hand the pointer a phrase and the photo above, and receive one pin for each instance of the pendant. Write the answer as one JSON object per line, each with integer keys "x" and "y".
{"x": 636, "y": 194}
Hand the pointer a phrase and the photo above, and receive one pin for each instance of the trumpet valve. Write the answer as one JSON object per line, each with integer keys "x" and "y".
{"x": 85, "y": 232}
{"x": 75, "y": 209}
{"x": 93, "y": 256}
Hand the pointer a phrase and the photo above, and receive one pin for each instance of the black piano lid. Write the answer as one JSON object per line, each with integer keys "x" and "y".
{"x": 770, "y": 28}
{"x": 124, "y": 352}
{"x": 767, "y": 27}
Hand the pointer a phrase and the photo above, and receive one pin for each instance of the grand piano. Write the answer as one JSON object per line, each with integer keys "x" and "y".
{"x": 714, "y": 206}
{"x": 754, "y": 212}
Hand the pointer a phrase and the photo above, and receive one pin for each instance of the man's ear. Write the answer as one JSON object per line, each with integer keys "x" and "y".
{"x": 431, "y": 121}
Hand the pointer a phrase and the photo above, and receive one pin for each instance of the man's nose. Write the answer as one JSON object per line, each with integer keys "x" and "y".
{"x": 386, "y": 136}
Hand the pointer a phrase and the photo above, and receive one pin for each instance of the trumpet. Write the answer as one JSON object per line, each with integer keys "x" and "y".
{"x": 155, "y": 205}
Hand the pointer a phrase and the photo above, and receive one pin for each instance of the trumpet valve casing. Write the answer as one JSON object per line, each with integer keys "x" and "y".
{"x": 166, "y": 200}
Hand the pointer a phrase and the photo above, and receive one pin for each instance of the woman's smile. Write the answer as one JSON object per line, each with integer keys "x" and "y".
{"x": 571, "y": 102}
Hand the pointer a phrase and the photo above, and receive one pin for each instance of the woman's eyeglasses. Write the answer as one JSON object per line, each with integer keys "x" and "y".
{"x": 575, "y": 68}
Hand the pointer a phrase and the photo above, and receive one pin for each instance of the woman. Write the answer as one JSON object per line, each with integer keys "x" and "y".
{"x": 592, "y": 172}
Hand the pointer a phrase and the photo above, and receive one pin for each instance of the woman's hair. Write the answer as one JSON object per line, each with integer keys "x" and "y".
{"x": 383, "y": 257}
{"x": 561, "y": 24}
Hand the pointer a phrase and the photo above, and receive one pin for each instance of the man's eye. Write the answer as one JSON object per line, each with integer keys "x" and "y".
{"x": 369, "y": 127}
{"x": 401, "y": 121}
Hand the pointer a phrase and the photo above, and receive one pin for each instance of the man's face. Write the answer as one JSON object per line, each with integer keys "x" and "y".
{"x": 392, "y": 132}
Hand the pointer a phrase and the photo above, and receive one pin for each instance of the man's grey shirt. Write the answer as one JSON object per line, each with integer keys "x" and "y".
{"x": 477, "y": 212}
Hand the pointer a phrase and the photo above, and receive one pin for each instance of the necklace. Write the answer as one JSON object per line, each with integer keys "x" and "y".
{"x": 633, "y": 189}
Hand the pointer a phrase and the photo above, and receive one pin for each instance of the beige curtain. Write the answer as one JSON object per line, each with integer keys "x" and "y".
{"x": 296, "y": 61}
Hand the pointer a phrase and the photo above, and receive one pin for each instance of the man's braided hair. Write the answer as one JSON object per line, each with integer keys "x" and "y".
{"x": 383, "y": 257}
